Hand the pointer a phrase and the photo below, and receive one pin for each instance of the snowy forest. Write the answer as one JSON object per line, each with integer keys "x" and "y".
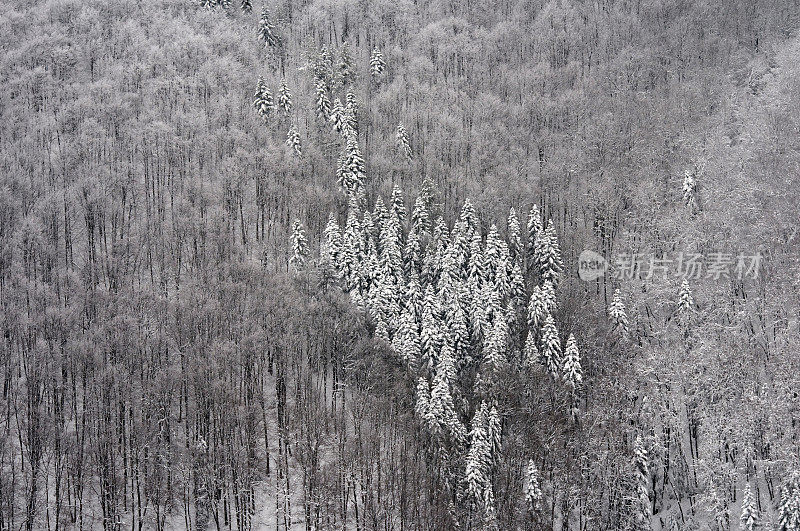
{"x": 400, "y": 265}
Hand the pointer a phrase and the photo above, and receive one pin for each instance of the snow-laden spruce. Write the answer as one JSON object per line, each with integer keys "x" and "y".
{"x": 749, "y": 518}
{"x": 403, "y": 143}
{"x": 321, "y": 102}
{"x": 299, "y": 247}
{"x": 616, "y": 312}
{"x": 284, "y": 98}
{"x": 266, "y": 29}
{"x": 377, "y": 64}
{"x": 262, "y": 99}
{"x": 293, "y": 140}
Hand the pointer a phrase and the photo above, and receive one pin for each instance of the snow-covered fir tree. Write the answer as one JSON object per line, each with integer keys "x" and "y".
{"x": 547, "y": 254}
{"x": 532, "y": 357}
{"x": 331, "y": 249}
{"x": 423, "y": 401}
{"x": 534, "y": 228}
{"x": 542, "y": 302}
{"x": 350, "y": 115}
{"x": 617, "y": 314}
{"x": 398, "y": 206}
{"x": 496, "y": 343}
{"x": 266, "y": 29}
{"x": 321, "y": 101}
{"x": 515, "y": 247}
{"x": 420, "y": 218}
{"x": 789, "y": 507}
{"x": 377, "y": 64}
{"x": 642, "y": 469}
{"x": 749, "y": 517}
{"x": 532, "y": 488}
{"x": 403, "y": 143}
{"x": 573, "y": 374}
{"x": 293, "y": 140}
{"x": 299, "y": 247}
{"x": 337, "y": 117}
{"x": 478, "y": 461}
{"x": 284, "y": 98}
{"x": 550, "y": 347}
{"x": 351, "y": 172}
{"x": 262, "y": 99}
{"x": 247, "y": 6}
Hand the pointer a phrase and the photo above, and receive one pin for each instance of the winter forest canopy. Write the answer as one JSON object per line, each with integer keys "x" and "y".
{"x": 316, "y": 265}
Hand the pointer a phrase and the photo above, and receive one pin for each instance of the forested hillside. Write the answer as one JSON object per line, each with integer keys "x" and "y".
{"x": 314, "y": 264}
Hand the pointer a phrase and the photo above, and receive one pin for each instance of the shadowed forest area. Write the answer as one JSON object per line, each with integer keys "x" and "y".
{"x": 314, "y": 264}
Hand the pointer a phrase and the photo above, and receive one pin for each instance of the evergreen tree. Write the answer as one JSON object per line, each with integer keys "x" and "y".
{"x": 469, "y": 218}
{"x": 534, "y": 228}
{"x": 398, "y": 207}
{"x": 496, "y": 343}
{"x": 299, "y": 247}
{"x": 381, "y": 328}
{"x": 285, "y": 98}
{"x": 458, "y": 327}
{"x": 492, "y": 252}
{"x": 247, "y": 6}
{"x": 351, "y": 174}
{"x": 262, "y": 99}
{"x": 550, "y": 347}
{"x": 351, "y": 111}
{"x": 293, "y": 140}
{"x": 548, "y": 255}
{"x": 266, "y": 29}
{"x": 478, "y": 457}
{"x": 532, "y": 356}
{"x": 422, "y": 405}
{"x": 515, "y": 247}
{"x": 427, "y": 192}
{"x": 789, "y": 508}
{"x": 749, "y": 517}
{"x": 337, "y": 117}
{"x": 377, "y": 65}
{"x": 494, "y": 432}
{"x": 616, "y": 312}
{"x": 543, "y": 302}
{"x": 331, "y": 252}
{"x": 642, "y": 484}
{"x": 532, "y": 488}
{"x": 380, "y": 215}
{"x": 573, "y": 374}
{"x": 431, "y": 338}
{"x": 517, "y": 288}
{"x": 323, "y": 104}
{"x": 442, "y": 400}
{"x": 420, "y": 219}
{"x": 413, "y": 254}
{"x": 403, "y": 143}
{"x": 406, "y": 341}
